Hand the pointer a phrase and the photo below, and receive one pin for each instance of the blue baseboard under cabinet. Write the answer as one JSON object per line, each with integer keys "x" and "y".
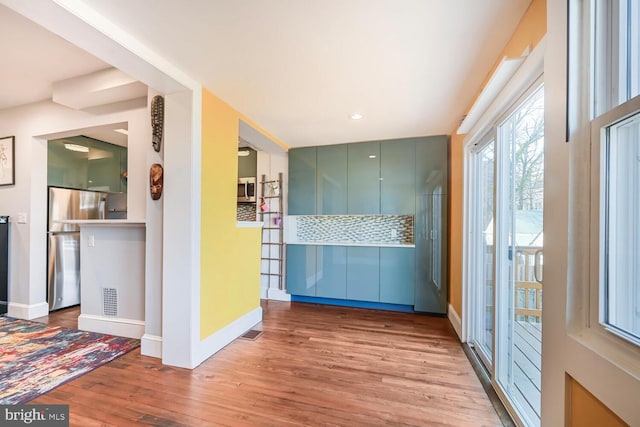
{"x": 353, "y": 303}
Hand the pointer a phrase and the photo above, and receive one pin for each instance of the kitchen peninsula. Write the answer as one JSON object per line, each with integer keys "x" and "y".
{"x": 112, "y": 276}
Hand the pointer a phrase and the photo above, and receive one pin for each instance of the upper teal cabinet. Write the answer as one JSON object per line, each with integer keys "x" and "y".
{"x": 302, "y": 181}
{"x": 363, "y": 178}
{"x": 331, "y": 180}
{"x": 432, "y": 165}
{"x": 398, "y": 179}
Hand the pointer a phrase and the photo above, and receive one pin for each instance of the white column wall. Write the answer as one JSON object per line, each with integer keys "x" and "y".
{"x": 151, "y": 344}
{"x": 181, "y": 233}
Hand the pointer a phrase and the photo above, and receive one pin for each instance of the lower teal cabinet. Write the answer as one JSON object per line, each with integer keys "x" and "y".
{"x": 301, "y": 270}
{"x": 397, "y": 275}
{"x": 331, "y": 274}
{"x": 359, "y": 273}
{"x": 363, "y": 273}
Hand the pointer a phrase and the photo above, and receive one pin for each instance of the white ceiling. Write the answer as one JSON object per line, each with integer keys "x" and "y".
{"x": 299, "y": 68}
{"x": 32, "y": 58}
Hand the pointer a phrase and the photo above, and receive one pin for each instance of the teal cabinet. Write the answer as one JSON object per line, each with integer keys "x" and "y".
{"x": 363, "y": 178}
{"x": 431, "y": 226}
{"x": 301, "y": 270}
{"x": 102, "y": 166}
{"x": 331, "y": 180}
{"x": 363, "y": 273}
{"x": 398, "y": 178}
{"x": 432, "y": 165}
{"x": 397, "y": 275}
{"x": 331, "y": 272}
{"x": 302, "y": 181}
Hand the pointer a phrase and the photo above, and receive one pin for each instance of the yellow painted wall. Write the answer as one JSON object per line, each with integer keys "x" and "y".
{"x": 230, "y": 256}
{"x": 585, "y": 410}
{"x": 531, "y": 29}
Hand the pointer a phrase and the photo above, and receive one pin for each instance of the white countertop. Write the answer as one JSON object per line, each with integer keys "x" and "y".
{"x": 106, "y": 222}
{"x": 250, "y": 224}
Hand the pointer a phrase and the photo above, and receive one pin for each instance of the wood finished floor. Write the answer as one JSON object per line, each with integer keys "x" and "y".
{"x": 313, "y": 365}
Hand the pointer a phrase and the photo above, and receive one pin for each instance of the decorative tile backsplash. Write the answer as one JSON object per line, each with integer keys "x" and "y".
{"x": 246, "y": 212}
{"x": 387, "y": 229}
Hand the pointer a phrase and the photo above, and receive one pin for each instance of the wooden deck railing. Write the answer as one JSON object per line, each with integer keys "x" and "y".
{"x": 528, "y": 292}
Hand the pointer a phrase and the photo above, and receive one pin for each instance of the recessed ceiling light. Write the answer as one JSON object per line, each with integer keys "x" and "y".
{"x": 356, "y": 116}
{"x": 78, "y": 148}
{"x": 243, "y": 153}
{"x": 122, "y": 131}
{"x": 372, "y": 156}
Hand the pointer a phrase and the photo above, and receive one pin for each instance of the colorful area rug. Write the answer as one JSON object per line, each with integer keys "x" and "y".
{"x": 35, "y": 358}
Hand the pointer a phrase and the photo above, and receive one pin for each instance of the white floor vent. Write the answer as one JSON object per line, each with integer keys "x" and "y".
{"x": 110, "y": 301}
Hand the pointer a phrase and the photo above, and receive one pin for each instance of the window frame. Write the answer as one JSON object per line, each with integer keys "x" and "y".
{"x": 616, "y": 338}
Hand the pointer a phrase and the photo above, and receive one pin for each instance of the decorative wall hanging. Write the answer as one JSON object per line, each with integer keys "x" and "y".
{"x": 157, "y": 121}
{"x": 156, "y": 178}
{"x": 7, "y": 161}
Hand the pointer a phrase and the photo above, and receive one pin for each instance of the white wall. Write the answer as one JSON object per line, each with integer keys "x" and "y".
{"x": 271, "y": 164}
{"x": 28, "y": 246}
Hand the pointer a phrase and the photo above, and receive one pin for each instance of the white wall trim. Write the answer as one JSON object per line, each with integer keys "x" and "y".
{"x": 278, "y": 295}
{"x": 111, "y": 325}
{"x": 151, "y": 345}
{"x": 219, "y": 339}
{"x": 454, "y": 318}
{"x": 27, "y": 311}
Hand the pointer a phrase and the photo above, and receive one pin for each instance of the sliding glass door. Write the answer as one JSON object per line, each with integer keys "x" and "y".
{"x": 483, "y": 248}
{"x": 506, "y": 207}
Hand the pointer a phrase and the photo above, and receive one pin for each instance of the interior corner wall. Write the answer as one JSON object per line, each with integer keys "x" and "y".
{"x": 230, "y": 256}
{"x": 28, "y": 245}
{"x": 530, "y": 31}
{"x": 456, "y": 225}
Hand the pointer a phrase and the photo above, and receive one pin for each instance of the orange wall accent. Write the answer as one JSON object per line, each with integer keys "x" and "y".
{"x": 530, "y": 30}
{"x": 456, "y": 158}
{"x": 585, "y": 410}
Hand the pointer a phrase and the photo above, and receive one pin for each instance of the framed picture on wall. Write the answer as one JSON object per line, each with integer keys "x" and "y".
{"x": 7, "y": 161}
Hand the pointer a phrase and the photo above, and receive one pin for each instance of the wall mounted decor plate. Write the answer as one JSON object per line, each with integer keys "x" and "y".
{"x": 156, "y": 180}
{"x": 7, "y": 160}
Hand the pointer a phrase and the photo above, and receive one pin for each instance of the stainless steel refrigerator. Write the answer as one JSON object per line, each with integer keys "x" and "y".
{"x": 63, "y": 273}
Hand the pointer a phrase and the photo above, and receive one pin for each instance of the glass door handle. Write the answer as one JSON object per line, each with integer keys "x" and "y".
{"x": 538, "y": 266}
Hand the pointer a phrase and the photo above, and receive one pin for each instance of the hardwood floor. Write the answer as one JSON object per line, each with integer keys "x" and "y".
{"x": 313, "y": 365}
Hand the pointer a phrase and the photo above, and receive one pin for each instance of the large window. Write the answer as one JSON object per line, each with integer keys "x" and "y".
{"x": 616, "y": 53}
{"x": 616, "y": 155}
{"x": 618, "y": 138}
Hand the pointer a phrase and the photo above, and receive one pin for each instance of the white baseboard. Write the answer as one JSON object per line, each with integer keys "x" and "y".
{"x": 454, "y": 318}
{"x": 111, "y": 325}
{"x": 218, "y": 340}
{"x": 278, "y": 295}
{"x": 151, "y": 345}
{"x": 26, "y": 311}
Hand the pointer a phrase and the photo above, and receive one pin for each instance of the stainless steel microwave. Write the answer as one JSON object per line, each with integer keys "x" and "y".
{"x": 247, "y": 190}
